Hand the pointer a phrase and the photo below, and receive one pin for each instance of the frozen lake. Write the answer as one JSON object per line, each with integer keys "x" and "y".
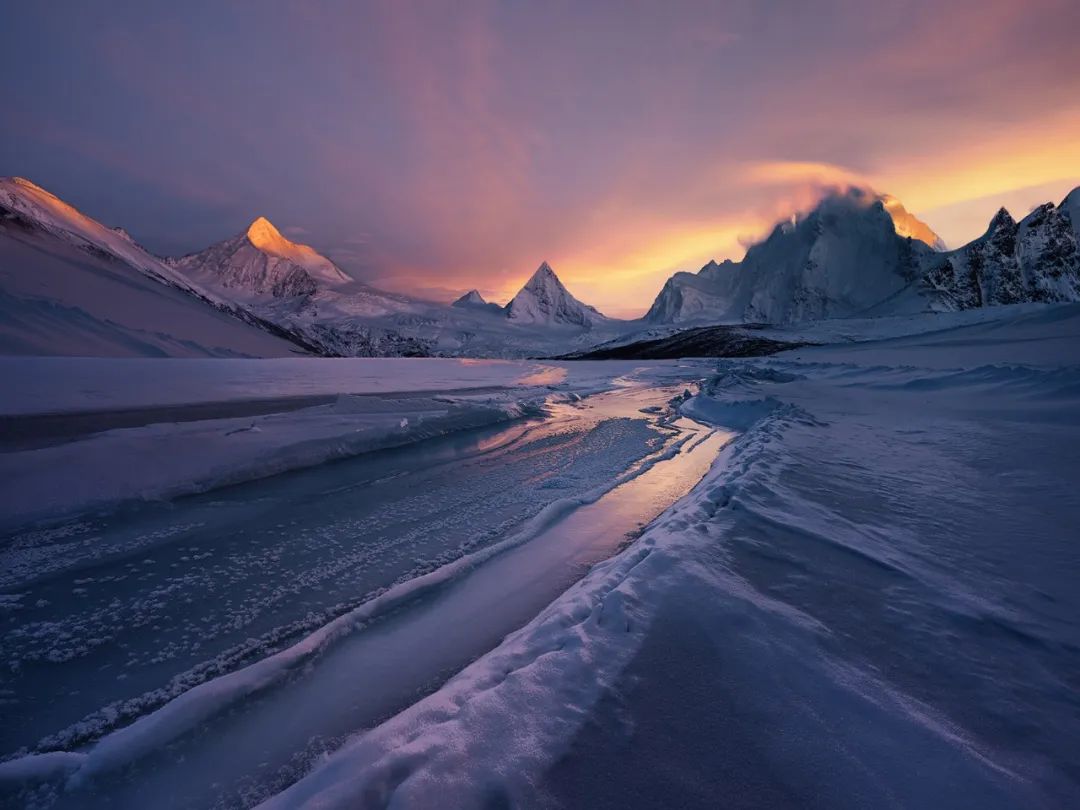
{"x": 176, "y": 594}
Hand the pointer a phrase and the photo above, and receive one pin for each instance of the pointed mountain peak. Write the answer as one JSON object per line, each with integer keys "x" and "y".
{"x": 472, "y": 298}
{"x": 544, "y": 271}
{"x": 544, "y": 299}
{"x": 262, "y": 233}
{"x": 1002, "y": 219}
{"x": 265, "y": 237}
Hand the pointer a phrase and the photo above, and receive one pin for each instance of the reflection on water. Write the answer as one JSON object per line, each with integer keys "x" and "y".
{"x": 544, "y": 375}
{"x": 263, "y": 743}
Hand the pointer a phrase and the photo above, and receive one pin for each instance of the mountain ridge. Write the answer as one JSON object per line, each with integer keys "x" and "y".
{"x": 71, "y": 285}
{"x": 846, "y": 258}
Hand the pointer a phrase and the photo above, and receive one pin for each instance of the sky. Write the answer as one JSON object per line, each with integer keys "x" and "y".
{"x": 433, "y": 147}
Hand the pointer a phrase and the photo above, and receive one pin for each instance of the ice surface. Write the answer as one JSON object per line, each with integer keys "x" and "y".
{"x": 379, "y": 403}
{"x": 58, "y": 385}
{"x": 551, "y": 470}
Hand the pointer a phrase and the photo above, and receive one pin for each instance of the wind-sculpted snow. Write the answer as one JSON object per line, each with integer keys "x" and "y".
{"x": 867, "y": 603}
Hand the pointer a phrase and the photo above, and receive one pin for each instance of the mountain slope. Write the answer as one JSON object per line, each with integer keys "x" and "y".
{"x": 49, "y": 213}
{"x": 544, "y": 300}
{"x": 71, "y": 286}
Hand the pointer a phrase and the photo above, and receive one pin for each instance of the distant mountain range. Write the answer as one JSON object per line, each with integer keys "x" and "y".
{"x": 845, "y": 258}
{"x": 69, "y": 284}
{"x": 543, "y": 300}
{"x": 264, "y": 286}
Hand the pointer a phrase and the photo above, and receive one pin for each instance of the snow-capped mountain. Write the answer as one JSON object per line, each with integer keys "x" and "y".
{"x": 305, "y": 293}
{"x": 692, "y": 296}
{"x": 861, "y": 254}
{"x": 260, "y": 262}
{"x": 544, "y": 300}
{"x": 839, "y": 260}
{"x": 1036, "y": 259}
{"x": 262, "y": 271}
{"x": 70, "y": 285}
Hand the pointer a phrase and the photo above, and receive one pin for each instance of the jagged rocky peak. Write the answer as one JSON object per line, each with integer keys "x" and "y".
{"x": 545, "y": 300}
{"x": 853, "y": 250}
{"x": 1034, "y": 260}
{"x": 1002, "y": 219}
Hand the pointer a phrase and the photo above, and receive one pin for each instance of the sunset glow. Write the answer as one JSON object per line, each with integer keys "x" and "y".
{"x": 433, "y": 148}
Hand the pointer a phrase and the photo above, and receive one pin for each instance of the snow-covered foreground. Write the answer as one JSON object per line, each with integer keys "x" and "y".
{"x": 868, "y": 601}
